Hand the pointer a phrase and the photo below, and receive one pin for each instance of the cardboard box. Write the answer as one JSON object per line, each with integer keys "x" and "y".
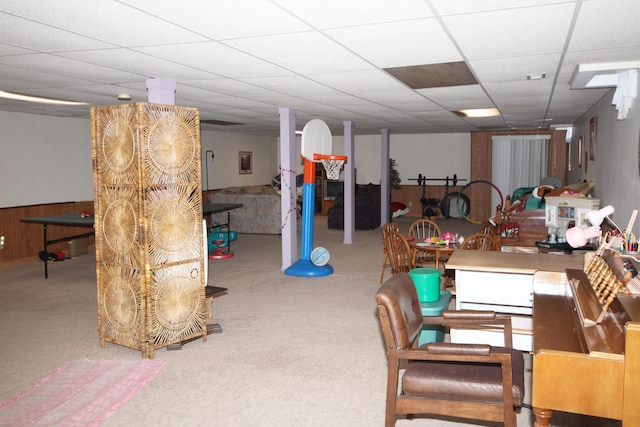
{"x": 78, "y": 246}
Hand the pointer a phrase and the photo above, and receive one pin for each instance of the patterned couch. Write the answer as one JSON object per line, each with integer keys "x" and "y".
{"x": 260, "y": 213}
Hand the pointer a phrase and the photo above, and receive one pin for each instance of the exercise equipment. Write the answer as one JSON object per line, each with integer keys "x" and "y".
{"x": 460, "y": 193}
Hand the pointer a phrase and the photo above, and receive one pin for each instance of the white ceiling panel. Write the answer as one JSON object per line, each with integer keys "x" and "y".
{"x": 515, "y": 68}
{"x": 604, "y": 23}
{"x": 106, "y": 20}
{"x": 512, "y": 32}
{"x": 293, "y": 52}
{"x": 242, "y": 60}
{"x": 34, "y": 36}
{"x": 207, "y": 57}
{"x": 220, "y": 20}
{"x": 340, "y": 13}
{"x": 54, "y": 64}
{"x": 458, "y": 97}
{"x": 395, "y": 44}
{"x": 137, "y": 62}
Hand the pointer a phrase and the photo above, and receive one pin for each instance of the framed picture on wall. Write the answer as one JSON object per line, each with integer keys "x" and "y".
{"x": 592, "y": 138}
{"x": 580, "y": 151}
{"x": 245, "y": 162}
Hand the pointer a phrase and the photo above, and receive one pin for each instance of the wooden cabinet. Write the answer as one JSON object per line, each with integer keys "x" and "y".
{"x": 148, "y": 225}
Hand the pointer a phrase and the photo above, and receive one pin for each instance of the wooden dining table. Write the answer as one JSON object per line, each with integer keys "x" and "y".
{"x": 439, "y": 250}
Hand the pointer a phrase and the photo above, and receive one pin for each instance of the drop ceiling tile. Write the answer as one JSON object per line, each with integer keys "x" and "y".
{"x": 106, "y": 20}
{"x": 8, "y": 50}
{"x": 458, "y": 97}
{"x": 606, "y": 24}
{"x": 54, "y": 64}
{"x": 21, "y": 79}
{"x": 26, "y": 34}
{"x": 504, "y": 33}
{"x": 533, "y": 89}
{"x": 515, "y": 69}
{"x": 394, "y": 44}
{"x": 340, "y": 13}
{"x": 293, "y": 85}
{"x": 292, "y": 51}
{"x": 207, "y": 57}
{"x": 137, "y": 62}
{"x": 222, "y": 20}
{"x": 360, "y": 82}
{"x": 448, "y": 7}
{"x": 232, "y": 87}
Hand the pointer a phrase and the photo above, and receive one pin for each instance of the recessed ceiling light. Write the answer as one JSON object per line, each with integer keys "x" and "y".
{"x": 124, "y": 97}
{"x": 38, "y": 99}
{"x": 478, "y": 112}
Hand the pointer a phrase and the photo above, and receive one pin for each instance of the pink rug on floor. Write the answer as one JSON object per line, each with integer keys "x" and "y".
{"x": 79, "y": 393}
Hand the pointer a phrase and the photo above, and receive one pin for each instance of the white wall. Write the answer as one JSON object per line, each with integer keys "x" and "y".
{"x": 44, "y": 159}
{"x": 436, "y": 155}
{"x": 615, "y": 168}
{"x": 48, "y": 159}
{"x": 223, "y": 169}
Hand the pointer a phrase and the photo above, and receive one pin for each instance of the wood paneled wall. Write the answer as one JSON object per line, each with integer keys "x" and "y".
{"x": 480, "y": 194}
{"x": 410, "y": 195}
{"x": 23, "y": 241}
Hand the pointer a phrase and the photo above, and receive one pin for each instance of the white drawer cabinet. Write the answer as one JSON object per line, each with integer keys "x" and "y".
{"x": 502, "y": 282}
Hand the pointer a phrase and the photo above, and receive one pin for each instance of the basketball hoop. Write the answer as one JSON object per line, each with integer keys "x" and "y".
{"x": 332, "y": 164}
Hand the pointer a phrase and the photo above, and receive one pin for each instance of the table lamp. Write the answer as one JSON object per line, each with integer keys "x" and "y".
{"x": 579, "y": 236}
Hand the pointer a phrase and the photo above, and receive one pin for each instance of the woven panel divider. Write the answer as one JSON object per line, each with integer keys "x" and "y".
{"x": 148, "y": 223}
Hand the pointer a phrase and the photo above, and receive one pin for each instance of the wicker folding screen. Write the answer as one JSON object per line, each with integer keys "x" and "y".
{"x": 148, "y": 223}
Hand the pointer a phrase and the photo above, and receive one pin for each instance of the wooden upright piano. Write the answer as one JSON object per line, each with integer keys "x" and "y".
{"x": 586, "y": 347}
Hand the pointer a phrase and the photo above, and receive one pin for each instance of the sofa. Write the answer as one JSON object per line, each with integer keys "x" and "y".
{"x": 260, "y": 213}
{"x": 367, "y": 207}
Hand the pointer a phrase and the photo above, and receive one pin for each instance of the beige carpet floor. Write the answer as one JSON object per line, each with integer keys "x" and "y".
{"x": 293, "y": 351}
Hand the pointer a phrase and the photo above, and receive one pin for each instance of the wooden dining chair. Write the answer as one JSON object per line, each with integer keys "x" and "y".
{"x": 491, "y": 231}
{"x": 471, "y": 381}
{"x": 399, "y": 252}
{"x": 478, "y": 242}
{"x": 385, "y": 258}
{"x": 422, "y": 230}
{"x": 481, "y": 241}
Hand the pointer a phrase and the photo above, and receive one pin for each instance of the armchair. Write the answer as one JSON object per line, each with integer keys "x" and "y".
{"x": 471, "y": 381}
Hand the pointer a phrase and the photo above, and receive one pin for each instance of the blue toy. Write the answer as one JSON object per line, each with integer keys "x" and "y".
{"x": 215, "y": 235}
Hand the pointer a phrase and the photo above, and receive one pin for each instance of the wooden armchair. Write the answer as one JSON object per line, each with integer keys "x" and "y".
{"x": 471, "y": 381}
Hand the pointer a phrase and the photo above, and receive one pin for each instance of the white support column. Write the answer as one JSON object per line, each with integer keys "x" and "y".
{"x": 384, "y": 177}
{"x": 161, "y": 91}
{"x": 349, "y": 184}
{"x": 288, "y": 175}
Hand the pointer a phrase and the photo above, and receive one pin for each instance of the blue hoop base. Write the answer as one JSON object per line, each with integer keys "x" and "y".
{"x": 305, "y": 268}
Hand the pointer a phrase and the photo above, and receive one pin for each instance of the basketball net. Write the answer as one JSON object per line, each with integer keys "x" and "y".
{"x": 332, "y": 165}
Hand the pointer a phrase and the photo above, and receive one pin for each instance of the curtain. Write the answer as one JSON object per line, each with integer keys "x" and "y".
{"x": 518, "y": 161}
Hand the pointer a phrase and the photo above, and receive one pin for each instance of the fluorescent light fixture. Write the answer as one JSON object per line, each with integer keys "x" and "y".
{"x": 599, "y": 75}
{"x": 38, "y": 99}
{"x": 478, "y": 112}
